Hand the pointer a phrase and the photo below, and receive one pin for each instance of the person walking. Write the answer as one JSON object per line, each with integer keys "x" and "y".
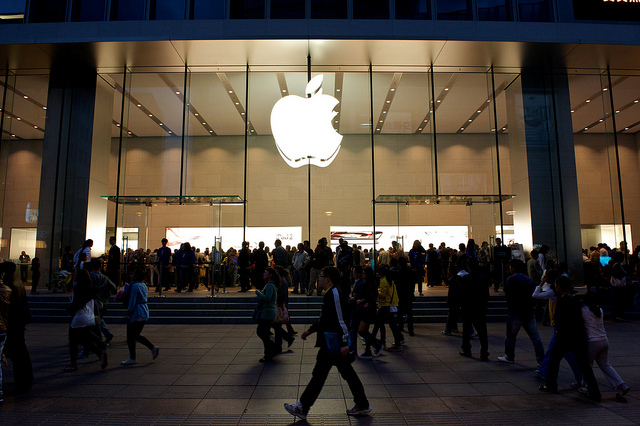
{"x": 474, "y": 302}
{"x": 365, "y": 298}
{"x": 267, "y": 306}
{"x": 333, "y": 322}
{"x": 518, "y": 290}
{"x": 387, "y": 309}
{"x": 598, "y": 344}
{"x": 137, "y": 316}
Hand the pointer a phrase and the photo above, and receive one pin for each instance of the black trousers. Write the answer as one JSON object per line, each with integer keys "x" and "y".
{"x": 264, "y": 333}
{"x": 16, "y": 350}
{"x": 560, "y": 348}
{"x": 406, "y": 308}
{"x": 452, "y": 318}
{"x": 89, "y": 338}
{"x": 319, "y": 376}
{"x": 475, "y": 319}
{"x": 133, "y": 335}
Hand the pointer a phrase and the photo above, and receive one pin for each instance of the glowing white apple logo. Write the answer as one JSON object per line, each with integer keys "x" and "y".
{"x": 302, "y": 127}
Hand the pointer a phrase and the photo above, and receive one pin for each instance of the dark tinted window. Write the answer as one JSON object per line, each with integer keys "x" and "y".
{"x": 533, "y": 11}
{"x": 412, "y": 9}
{"x": 166, "y": 9}
{"x": 207, "y": 9}
{"x": 47, "y": 10}
{"x": 493, "y": 10}
{"x": 127, "y": 10}
{"x": 88, "y": 10}
{"x": 453, "y": 9}
{"x": 328, "y": 9}
{"x": 287, "y": 9}
{"x": 371, "y": 9}
{"x": 246, "y": 9}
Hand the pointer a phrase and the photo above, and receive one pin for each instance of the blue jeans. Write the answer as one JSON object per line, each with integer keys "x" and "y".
{"x": 299, "y": 277}
{"x": 544, "y": 365}
{"x": 3, "y": 339}
{"x": 514, "y": 323}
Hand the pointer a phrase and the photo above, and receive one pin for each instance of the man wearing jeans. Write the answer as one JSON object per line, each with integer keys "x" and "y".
{"x": 300, "y": 261}
{"x": 518, "y": 290}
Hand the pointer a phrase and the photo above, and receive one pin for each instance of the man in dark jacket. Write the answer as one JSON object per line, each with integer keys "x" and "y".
{"x": 474, "y": 301}
{"x": 518, "y": 290}
{"x": 334, "y": 319}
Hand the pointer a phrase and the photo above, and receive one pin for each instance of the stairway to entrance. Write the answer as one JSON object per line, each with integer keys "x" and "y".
{"x": 236, "y": 310}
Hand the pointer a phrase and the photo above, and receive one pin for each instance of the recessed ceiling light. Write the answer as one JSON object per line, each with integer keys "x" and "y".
{"x": 210, "y": 131}
{"x": 44, "y": 107}
{"x": 129, "y": 132}
{"x": 169, "y": 131}
{"x": 203, "y": 123}
{"x": 586, "y": 128}
{"x": 196, "y": 114}
{"x": 337, "y": 90}
{"x": 378, "y": 130}
{"x": 336, "y": 121}
{"x": 35, "y": 127}
{"x": 618, "y": 111}
{"x": 26, "y": 97}
{"x": 177, "y": 93}
{"x": 388, "y": 102}
{"x": 572, "y": 111}
{"x": 504, "y": 128}
{"x": 18, "y": 118}
{"x": 600, "y": 121}
{"x": 161, "y": 124}
{"x": 478, "y": 111}
{"x": 470, "y": 120}
{"x": 139, "y": 105}
{"x": 230, "y": 91}
{"x": 420, "y": 128}
{"x": 117, "y": 124}
{"x": 588, "y": 100}
{"x": 384, "y": 112}
{"x": 461, "y": 128}
{"x": 393, "y": 90}
{"x": 237, "y": 103}
{"x": 13, "y": 136}
{"x": 635, "y": 102}
{"x": 438, "y": 101}
{"x": 488, "y": 100}
{"x": 252, "y": 130}
{"x": 446, "y": 89}
{"x": 150, "y": 115}
{"x": 381, "y": 121}
{"x": 242, "y": 113}
{"x": 284, "y": 90}
{"x": 626, "y": 128}
{"x": 605, "y": 89}
{"x": 425, "y": 121}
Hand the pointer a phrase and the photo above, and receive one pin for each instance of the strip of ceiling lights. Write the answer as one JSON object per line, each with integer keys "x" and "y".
{"x": 506, "y": 83}
{"x": 10, "y": 115}
{"x": 236, "y": 101}
{"x": 439, "y": 99}
{"x": 192, "y": 109}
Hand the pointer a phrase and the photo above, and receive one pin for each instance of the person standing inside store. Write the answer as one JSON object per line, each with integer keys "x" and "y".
{"x": 86, "y": 249}
{"x": 188, "y": 267}
{"x": 300, "y": 261}
{"x": 163, "y": 260}
{"x": 417, "y": 257}
{"x": 333, "y": 319}
{"x": 261, "y": 261}
{"x": 113, "y": 262}
{"x": 24, "y": 267}
{"x": 500, "y": 260}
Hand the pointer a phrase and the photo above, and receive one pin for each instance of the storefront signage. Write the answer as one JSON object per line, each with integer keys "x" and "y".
{"x": 303, "y": 129}
{"x": 607, "y": 10}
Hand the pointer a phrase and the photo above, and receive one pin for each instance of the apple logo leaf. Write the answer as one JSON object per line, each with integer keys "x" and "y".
{"x": 315, "y": 85}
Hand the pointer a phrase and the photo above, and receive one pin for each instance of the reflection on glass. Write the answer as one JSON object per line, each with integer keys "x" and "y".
{"x": 287, "y": 9}
{"x": 207, "y": 9}
{"x": 493, "y": 10}
{"x": 328, "y": 9}
{"x": 167, "y": 9}
{"x": 88, "y": 10}
{"x": 127, "y": 10}
{"x": 371, "y": 9}
{"x": 412, "y": 9}
{"x": 246, "y": 9}
{"x": 533, "y": 11}
{"x": 47, "y": 11}
{"x": 453, "y": 9}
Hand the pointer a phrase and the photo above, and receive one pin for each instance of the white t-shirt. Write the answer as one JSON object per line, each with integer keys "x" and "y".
{"x": 84, "y": 317}
{"x": 594, "y": 325}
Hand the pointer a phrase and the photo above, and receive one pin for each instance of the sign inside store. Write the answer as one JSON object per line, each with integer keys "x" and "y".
{"x": 607, "y": 10}
{"x": 303, "y": 127}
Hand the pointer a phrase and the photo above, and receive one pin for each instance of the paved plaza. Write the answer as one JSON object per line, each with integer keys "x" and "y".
{"x": 209, "y": 374}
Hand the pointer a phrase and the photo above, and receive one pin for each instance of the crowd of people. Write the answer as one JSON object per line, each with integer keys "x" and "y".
{"x": 363, "y": 293}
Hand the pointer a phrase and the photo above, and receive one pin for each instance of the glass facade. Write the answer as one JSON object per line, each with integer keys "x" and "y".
{"x": 458, "y": 10}
{"x": 167, "y": 9}
{"x": 493, "y": 10}
{"x": 371, "y": 9}
{"x": 413, "y": 9}
{"x": 287, "y": 9}
{"x": 198, "y": 150}
{"x": 89, "y": 10}
{"x": 246, "y": 9}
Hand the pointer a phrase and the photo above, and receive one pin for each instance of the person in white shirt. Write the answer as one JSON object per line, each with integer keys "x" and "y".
{"x": 598, "y": 344}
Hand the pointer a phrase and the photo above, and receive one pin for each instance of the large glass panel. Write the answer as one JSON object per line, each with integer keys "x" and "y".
{"x": 413, "y": 9}
{"x": 287, "y": 9}
{"x": 371, "y": 9}
{"x": 593, "y": 148}
{"x": 24, "y": 115}
{"x": 88, "y": 10}
{"x": 625, "y": 93}
{"x": 493, "y": 10}
{"x": 47, "y": 11}
{"x": 127, "y": 10}
{"x": 167, "y": 9}
{"x": 328, "y": 9}
{"x": 453, "y": 9}
{"x": 207, "y": 9}
{"x": 246, "y": 9}
{"x": 533, "y": 11}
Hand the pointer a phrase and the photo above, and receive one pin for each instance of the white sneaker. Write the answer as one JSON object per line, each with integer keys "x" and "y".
{"x": 154, "y": 352}
{"x": 357, "y": 411}
{"x": 129, "y": 361}
{"x": 296, "y": 410}
{"x": 505, "y": 359}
